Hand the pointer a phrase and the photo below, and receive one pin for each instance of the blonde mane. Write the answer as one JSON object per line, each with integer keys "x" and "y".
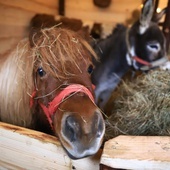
{"x": 52, "y": 47}
{"x": 16, "y": 84}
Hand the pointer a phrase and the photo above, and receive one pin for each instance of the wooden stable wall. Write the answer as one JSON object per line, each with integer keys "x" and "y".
{"x": 15, "y": 16}
{"x": 117, "y": 12}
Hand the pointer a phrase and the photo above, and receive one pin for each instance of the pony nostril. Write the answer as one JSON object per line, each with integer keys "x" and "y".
{"x": 100, "y": 128}
{"x": 71, "y": 128}
{"x": 98, "y": 125}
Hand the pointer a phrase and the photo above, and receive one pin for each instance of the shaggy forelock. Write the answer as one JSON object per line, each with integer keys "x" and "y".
{"x": 59, "y": 47}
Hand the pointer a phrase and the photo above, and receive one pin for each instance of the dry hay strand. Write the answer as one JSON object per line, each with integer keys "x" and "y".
{"x": 141, "y": 107}
{"x": 59, "y": 48}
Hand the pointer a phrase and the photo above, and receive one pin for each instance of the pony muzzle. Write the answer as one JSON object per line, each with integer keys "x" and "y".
{"x": 80, "y": 137}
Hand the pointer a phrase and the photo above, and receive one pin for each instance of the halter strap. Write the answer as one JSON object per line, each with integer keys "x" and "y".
{"x": 139, "y": 60}
{"x": 147, "y": 65}
{"x": 153, "y": 64}
{"x": 61, "y": 97}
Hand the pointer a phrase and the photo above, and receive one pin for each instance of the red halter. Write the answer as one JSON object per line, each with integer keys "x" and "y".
{"x": 139, "y": 60}
{"x": 61, "y": 97}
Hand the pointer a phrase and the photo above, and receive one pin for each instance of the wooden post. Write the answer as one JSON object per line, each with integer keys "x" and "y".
{"x": 61, "y": 7}
{"x": 166, "y": 27}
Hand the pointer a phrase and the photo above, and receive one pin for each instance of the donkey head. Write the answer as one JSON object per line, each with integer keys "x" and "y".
{"x": 141, "y": 46}
{"x": 145, "y": 40}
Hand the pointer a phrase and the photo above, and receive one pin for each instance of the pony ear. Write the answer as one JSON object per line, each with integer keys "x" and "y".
{"x": 146, "y": 15}
{"x": 158, "y": 16}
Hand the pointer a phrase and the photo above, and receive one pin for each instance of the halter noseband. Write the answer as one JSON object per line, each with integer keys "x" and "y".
{"x": 61, "y": 97}
{"x": 147, "y": 65}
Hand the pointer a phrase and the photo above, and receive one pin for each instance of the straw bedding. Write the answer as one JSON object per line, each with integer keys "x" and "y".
{"x": 141, "y": 107}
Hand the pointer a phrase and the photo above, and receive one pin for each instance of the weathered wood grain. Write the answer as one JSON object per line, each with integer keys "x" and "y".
{"x": 36, "y": 6}
{"x": 21, "y": 148}
{"x": 137, "y": 152}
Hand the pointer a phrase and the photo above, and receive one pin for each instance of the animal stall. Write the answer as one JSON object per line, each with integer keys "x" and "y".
{"x": 48, "y": 113}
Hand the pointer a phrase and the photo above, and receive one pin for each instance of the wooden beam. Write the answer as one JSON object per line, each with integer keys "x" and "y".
{"x": 137, "y": 152}
{"x": 166, "y": 26}
{"x": 22, "y": 148}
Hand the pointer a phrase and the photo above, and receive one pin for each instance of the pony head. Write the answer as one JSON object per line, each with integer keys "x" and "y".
{"x": 64, "y": 92}
{"x": 56, "y": 66}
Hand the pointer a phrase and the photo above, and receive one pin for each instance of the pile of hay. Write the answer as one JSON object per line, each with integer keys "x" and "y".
{"x": 141, "y": 107}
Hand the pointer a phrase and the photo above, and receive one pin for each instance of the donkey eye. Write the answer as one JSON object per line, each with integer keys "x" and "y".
{"x": 154, "y": 47}
{"x": 90, "y": 69}
{"x": 41, "y": 72}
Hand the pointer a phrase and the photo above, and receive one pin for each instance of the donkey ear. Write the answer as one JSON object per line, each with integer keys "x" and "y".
{"x": 157, "y": 16}
{"x": 146, "y": 15}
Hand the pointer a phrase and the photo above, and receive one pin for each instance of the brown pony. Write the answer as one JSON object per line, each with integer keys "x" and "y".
{"x": 45, "y": 85}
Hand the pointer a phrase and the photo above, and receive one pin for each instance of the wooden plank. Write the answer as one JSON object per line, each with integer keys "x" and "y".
{"x": 37, "y": 6}
{"x": 98, "y": 17}
{"x": 14, "y": 16}
{"x": 7, "y": 44}
{"x": 163, "y": 4}
{"x": 8, "y": 31}
{"x": 22, "y": 148}
{"x": 119, "y": 11}
{"x": 91, "y": 163}
{"x": 15, "y": 12}
{"x": 36, "y": 150}
{"x": 10, "y": 35}
{"x": 50, "y": 3}
{"x": 137, "y": 152}
{"x": 116, "y": 5}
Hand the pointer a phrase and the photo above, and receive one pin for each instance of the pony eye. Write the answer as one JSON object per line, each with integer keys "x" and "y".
{"x": 41, "y": 72}
{"x": 90, "y": 69}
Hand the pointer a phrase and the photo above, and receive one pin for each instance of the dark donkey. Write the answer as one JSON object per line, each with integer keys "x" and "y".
{"x": 142, "y": 46}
